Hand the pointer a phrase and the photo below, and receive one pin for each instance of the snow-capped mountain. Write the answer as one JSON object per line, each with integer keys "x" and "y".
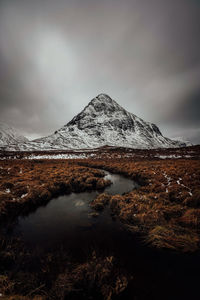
{"x": 183, "y": 140}
{"x": 10, "y": 136}
{"x": 103, "y": 122}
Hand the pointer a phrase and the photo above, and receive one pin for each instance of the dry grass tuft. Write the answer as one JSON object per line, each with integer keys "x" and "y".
{"x": 169, "y": 198}
{"x": 174, "y": 238}
{"x": 100, "y": 201}
{"x": 98, "y": 275}
{"x": 28, "y": 184}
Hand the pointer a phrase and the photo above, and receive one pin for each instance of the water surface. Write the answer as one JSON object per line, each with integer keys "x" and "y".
{"x": 68, "y": 219}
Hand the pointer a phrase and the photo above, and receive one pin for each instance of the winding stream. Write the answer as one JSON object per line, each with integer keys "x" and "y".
{"x": 69, "y": 219}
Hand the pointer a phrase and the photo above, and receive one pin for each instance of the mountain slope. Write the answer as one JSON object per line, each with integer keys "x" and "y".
{"x": 103, "y": 122}
{"x": 9, "y": 135}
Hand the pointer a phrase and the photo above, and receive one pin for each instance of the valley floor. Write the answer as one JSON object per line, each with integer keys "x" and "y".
{"x": 164, "y": 212}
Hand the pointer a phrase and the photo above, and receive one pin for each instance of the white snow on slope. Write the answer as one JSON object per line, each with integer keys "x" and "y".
{"x": 10, "y": 136}
{"x": 102, "y": 122}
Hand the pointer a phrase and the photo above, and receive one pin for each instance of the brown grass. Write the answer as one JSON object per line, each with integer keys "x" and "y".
{"x": 165, "y": 210}
{"x": 98, "y": 274}
{"x": 100, "y": 201}
{"x": 57, "y": 276}
{"x": 167, "y": 199}
{"x": 169, "y": 193}
{"x": 25, "y": 184}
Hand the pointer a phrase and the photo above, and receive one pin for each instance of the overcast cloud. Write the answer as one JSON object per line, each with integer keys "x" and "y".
{"x": 55, "y": 56}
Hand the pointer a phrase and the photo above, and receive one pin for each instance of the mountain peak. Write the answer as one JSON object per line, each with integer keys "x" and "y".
{"x": 103, "y": 104}
{"x": 103, "y": 96}
{"x": 104, "y": 122}
{"x": 102, "y": 99}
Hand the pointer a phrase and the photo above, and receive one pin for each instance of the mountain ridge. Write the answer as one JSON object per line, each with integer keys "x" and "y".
{"x": 9, "y": 135}
{"x": 103, "y": 122}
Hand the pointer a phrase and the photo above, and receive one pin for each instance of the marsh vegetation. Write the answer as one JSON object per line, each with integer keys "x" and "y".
{"x": 67, "y": 232}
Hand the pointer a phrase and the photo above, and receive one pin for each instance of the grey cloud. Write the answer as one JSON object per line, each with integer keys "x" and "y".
{"x": 57, "y": 55}
{"x": 188, "y": 111}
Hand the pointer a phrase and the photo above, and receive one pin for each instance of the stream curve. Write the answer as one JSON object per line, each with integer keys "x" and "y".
{"x": 70, "y": 219}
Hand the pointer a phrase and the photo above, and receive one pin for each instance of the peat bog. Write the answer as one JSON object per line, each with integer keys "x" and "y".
{"x": 68, "y": 233}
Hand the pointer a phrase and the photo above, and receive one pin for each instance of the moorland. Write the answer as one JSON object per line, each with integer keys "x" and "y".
{"x": 162, "y": 215}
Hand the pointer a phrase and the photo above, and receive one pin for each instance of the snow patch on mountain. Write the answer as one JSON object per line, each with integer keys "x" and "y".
{"x": 183, "y": 140}
{"x": 10, "y": 136}
{"x": 102, "y": 122}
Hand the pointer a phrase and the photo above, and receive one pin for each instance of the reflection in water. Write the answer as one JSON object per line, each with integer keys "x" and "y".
{"x": 68, "y": 221}
{"x": 69, "y": 218}
{"x": 120, "y": 184}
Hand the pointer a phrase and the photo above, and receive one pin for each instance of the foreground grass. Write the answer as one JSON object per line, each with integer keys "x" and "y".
{"x": 27, "y": 184}
{"x": 166, "y": 208}
{"x": 55, "y": 274}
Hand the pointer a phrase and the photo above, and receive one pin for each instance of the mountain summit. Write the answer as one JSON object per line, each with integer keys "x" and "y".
{"x": 103, "y": 122}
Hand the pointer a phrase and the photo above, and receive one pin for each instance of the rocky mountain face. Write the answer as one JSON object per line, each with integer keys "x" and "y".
{"x": 103, "y": 122}
{"x": 10, "y": 136}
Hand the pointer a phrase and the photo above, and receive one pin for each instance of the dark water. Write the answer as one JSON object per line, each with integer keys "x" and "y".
{"x": 67, "y": 221}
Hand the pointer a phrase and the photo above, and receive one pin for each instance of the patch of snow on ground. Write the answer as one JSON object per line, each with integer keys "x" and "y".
{"x": 168, "y": 178}
{"x": 24, "y": 195}
{"x": 57, "y": 156}
{"x": 173, "y": 156}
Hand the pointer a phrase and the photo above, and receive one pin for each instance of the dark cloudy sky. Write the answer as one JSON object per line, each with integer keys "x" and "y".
{"x": 55, "y": 56}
